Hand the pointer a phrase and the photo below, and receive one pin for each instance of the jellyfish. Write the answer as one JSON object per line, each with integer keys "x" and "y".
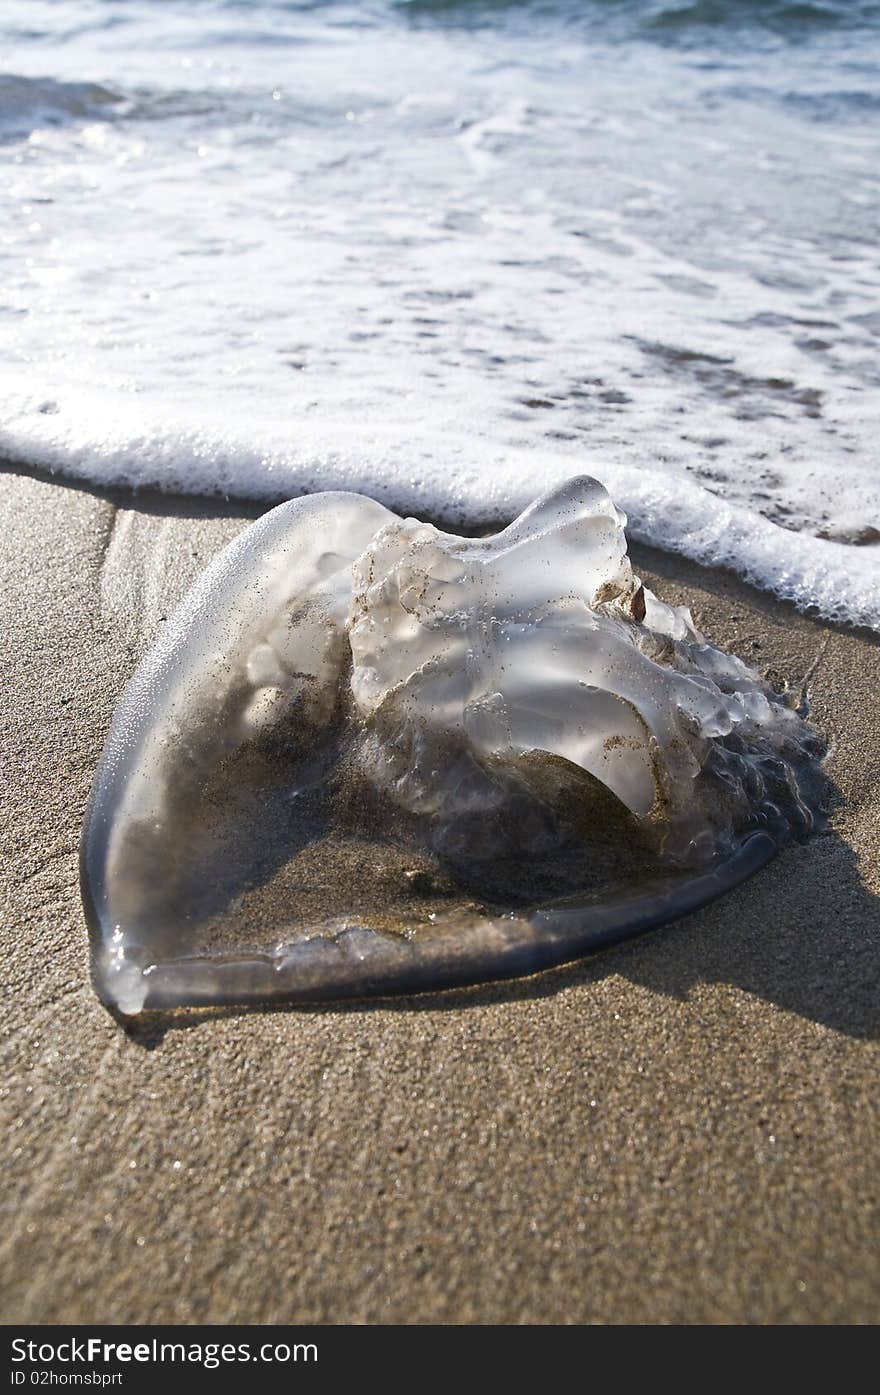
{"x": 367, "y": 756}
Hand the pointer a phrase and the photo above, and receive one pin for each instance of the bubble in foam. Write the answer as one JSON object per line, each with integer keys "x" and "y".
{"x": 369, "y": 756}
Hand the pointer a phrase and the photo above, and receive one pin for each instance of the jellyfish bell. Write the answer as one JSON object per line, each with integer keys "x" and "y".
{"x": 369, "y": 756}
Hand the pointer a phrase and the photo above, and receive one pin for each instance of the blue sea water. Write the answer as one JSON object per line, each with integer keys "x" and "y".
{"x": 450, "y": 253}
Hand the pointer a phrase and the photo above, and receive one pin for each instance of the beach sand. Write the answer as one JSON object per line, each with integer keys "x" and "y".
{"x": 683, "y": 1129}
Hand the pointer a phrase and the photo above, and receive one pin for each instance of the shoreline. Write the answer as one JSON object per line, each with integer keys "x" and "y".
{"x": 153, "y": 501}
{"x": 676, "y": 1130}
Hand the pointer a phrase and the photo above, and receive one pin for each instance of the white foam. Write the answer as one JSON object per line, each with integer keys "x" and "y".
{"x": 448, "y": 267}
{"x": 837, "y": 581}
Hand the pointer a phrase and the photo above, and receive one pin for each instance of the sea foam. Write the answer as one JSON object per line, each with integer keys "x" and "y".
{"x": 452, "y": 255}
{"x": 463, "y": 482}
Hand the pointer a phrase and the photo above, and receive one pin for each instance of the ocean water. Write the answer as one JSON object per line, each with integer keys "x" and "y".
{"x": 450, "y": 252}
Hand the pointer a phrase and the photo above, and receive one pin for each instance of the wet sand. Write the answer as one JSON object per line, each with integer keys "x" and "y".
{"x": 680, "y": 1130}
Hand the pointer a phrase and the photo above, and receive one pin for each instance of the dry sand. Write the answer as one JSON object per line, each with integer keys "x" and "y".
{"x": 681, "y": 1130}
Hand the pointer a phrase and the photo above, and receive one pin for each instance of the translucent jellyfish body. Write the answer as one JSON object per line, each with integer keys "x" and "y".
{"x": 367, "y": 756}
